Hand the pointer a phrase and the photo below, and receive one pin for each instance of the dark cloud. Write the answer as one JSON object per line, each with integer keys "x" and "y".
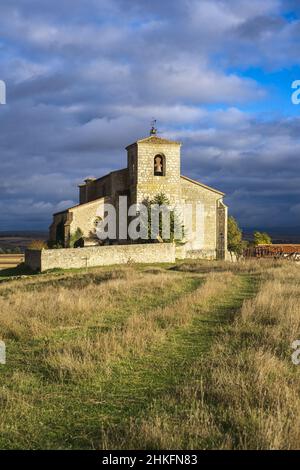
{"x": 84, "y": 79}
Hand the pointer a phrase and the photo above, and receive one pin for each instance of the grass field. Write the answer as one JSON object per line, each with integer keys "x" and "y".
{"x": 191, "y": 356}
{"x": 10, "y": 261}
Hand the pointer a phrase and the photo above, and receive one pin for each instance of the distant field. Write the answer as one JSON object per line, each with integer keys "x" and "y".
{"x": 10, "y": 261}
{"x": 195, "y": 355}
{"x": 11, "y": 241}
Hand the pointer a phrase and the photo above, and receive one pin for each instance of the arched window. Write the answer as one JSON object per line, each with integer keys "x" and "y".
{"x": 159, "y": 165}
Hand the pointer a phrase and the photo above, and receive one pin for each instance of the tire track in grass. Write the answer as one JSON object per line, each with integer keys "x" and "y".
{"x": 157, "y": 378}
{"x": 107, "y": 413}
{"x": 54, "y": 407}
{"x": 111, "y": 411}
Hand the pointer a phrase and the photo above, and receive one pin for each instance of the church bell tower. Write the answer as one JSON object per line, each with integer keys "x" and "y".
{"x": 154, "y": 167}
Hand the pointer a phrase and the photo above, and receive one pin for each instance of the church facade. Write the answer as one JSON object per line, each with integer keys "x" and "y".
{"x": 153, "y": 167}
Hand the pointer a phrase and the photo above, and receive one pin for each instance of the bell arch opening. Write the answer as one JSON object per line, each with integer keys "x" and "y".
{"x": 159, "y": 165}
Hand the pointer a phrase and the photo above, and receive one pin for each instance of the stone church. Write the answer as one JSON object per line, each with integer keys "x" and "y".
{"x": 153, "y": 167}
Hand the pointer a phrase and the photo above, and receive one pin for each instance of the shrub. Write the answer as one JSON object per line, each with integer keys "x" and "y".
{"x": 262, "y": 238}
{"x": 75, "y": 237}
{"x": 38, "y": 245}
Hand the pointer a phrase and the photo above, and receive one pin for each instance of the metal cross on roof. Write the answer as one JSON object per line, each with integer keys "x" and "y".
{"x": 153, "y": 130}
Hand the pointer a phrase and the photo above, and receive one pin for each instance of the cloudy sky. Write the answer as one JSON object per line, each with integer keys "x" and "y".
{"x": 85, "y": 78}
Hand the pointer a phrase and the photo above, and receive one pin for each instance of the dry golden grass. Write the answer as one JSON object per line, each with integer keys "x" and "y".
{"x": 10, "y": 260}
{"x": 243, "y": 266}
{"x": 86, "y": 353}
{"x": 149, "y": 358}
{"x": 245, "y": 394}
{"x": 29, "y": 313}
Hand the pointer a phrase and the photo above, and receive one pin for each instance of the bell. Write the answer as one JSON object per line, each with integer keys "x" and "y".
{"x": 158, "y": 165}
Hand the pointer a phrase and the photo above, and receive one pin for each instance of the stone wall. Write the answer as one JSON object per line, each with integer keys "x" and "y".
{"x": 201, "y": 254}
{"x": 108, "y": 185}
{"x": 85, "y": 215}
{"x": 222, "y": 230}
{"x": 193, "y": 193}
{"x": 182, "y": 253}
{"x": 100, "y": 256}
{"x": 82, "y": 216}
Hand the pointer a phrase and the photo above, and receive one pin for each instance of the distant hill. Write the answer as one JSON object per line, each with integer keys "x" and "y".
{"x": 24, "y": 233}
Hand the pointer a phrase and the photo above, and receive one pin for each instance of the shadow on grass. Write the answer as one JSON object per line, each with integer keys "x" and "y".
{"x": 20, "y": 270}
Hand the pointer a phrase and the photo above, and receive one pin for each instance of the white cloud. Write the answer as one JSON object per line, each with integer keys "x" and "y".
{"x": 83, "y": 82}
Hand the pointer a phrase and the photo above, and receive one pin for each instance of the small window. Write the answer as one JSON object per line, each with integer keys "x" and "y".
{"x": 159, "y": 165}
